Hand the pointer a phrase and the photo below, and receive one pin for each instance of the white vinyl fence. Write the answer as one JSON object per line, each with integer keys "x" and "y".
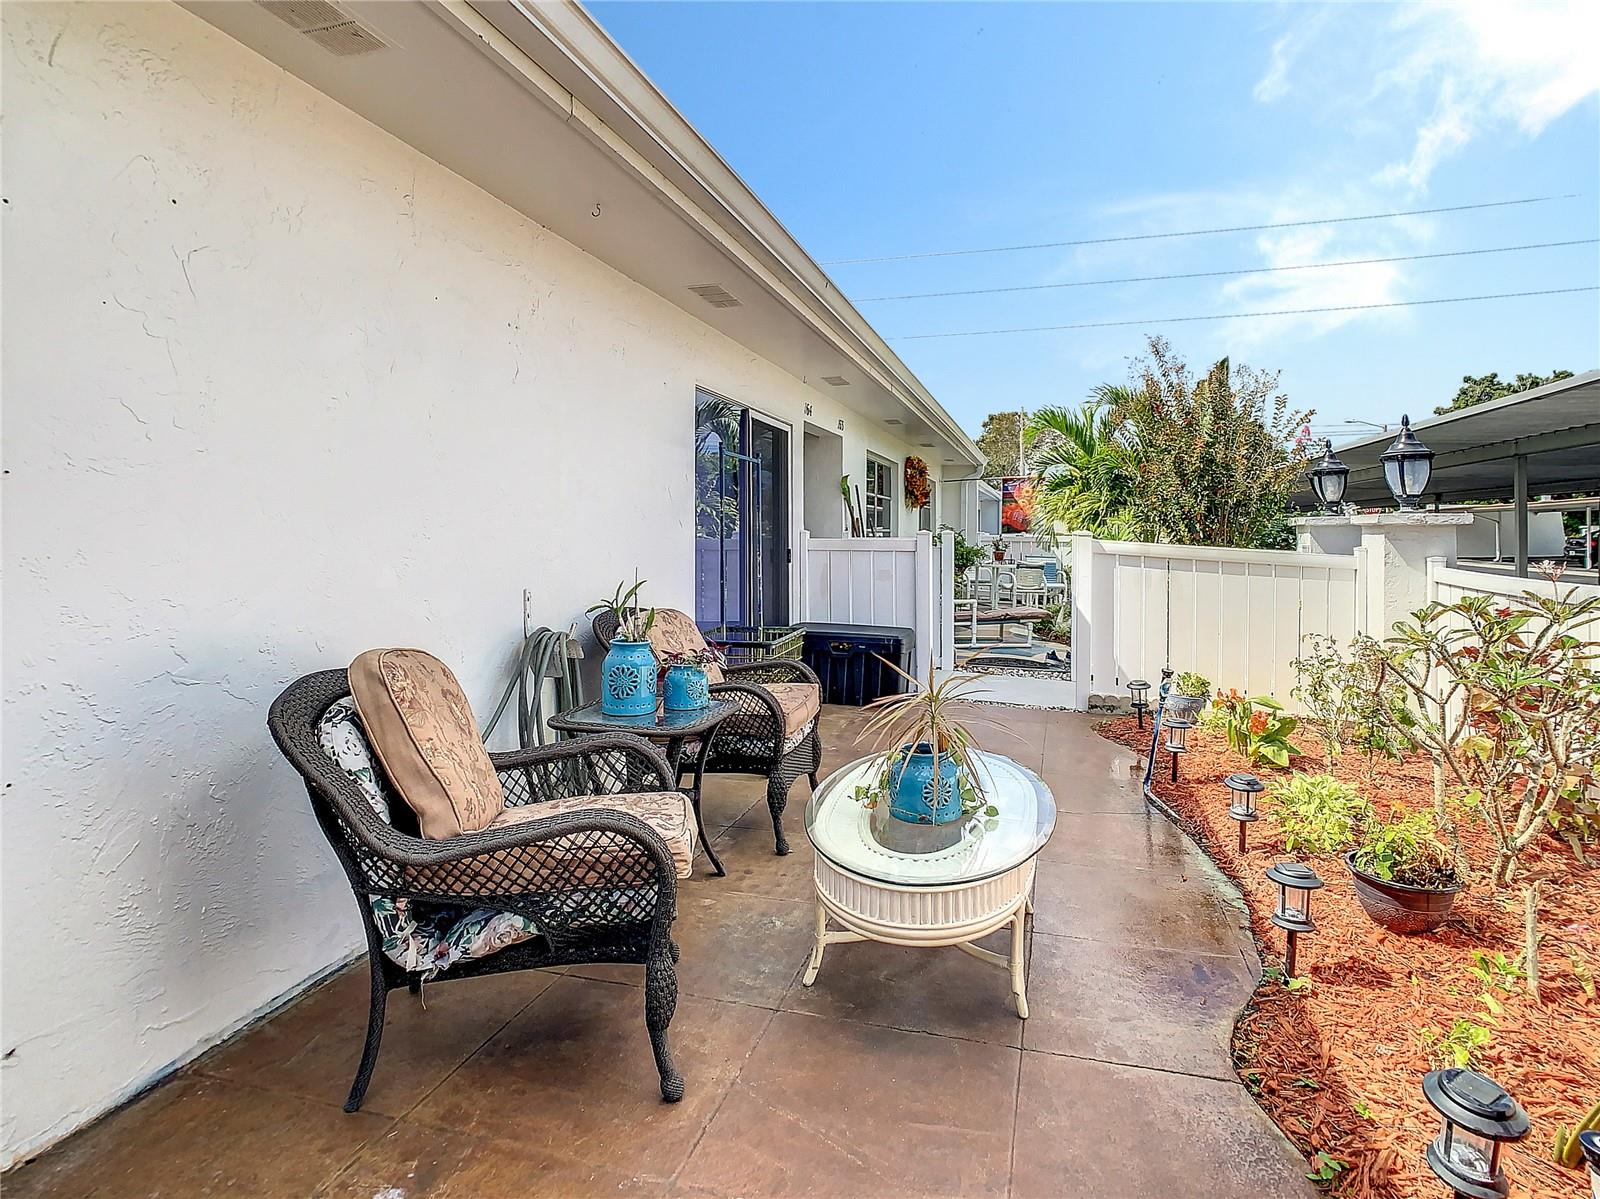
{"x": 1235, "y": 616}
{"x": 1447, "y": 584}
{"x": 897, "y": 581}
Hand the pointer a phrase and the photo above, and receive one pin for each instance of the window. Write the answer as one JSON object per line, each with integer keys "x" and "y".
{"x": 879, "y": 501}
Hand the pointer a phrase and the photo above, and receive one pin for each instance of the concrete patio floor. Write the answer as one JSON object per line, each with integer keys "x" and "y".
{"x": 901, "y": 1072}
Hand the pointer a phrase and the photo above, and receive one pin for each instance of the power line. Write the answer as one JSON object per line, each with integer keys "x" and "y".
{"x": 1101, "y": 241}
{"x": 1235, "y": 316}
{"x": 1256, "y": 270}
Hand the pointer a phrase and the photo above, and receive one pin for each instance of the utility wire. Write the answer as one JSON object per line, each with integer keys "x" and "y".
{"x": 1256, "y": 270}
{"x": 1100, "y": 241}
{"x": 1234, "y": 316}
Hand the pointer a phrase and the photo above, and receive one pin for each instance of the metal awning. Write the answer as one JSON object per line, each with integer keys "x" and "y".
{"x": 1554, "y": 430}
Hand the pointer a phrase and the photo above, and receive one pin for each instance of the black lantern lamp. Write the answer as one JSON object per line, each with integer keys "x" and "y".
{"x": 1139, "y": 692}
{"x": 1328, "y": 478}
{"x": 1295, "y": 882}
{"x": 1407, "y": 464}
{"x": 1177, "y": 739}
{"x": 1479, "y": 1117}
{"x": 1243, "y": 788}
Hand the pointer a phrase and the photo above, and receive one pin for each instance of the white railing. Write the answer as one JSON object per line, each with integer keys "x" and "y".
{"x": 1235, "y": 616}
{"x": 1447, "y": 584}
{"x": 898, "y": 581}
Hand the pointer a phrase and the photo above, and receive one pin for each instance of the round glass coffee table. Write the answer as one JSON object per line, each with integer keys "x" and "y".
{"x": 884, "y": 880}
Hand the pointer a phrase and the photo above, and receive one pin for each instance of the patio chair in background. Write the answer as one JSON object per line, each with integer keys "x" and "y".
{"x": 580, "y": 866}
{"x": 774, "y": 733}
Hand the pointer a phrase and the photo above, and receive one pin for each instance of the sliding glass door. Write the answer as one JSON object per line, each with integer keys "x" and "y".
{"x": 741, "y": 516}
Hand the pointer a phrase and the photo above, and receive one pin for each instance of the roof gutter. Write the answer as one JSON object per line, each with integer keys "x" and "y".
{"x": 609, "y": 94}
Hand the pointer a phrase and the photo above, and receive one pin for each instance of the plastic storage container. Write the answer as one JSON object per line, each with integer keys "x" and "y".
{"x": 846, "y": 659}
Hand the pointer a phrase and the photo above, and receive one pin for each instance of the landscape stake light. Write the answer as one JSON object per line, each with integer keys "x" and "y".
{"x": 1328, "y": 478}
{"x": 1243, "y": 788}
{"x": 1479, "y": 1117}
{"x": 1177, "y": 739}
{"x": 1295, "y": 882}
{"x": 1139, "y": 690}
{"x": 1407, "y": 464}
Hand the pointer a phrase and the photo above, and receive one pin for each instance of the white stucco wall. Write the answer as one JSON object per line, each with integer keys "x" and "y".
{"x": 277, "y": 389}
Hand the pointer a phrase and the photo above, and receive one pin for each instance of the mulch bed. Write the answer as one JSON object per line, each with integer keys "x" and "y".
{"x": 1355, "y": 1035}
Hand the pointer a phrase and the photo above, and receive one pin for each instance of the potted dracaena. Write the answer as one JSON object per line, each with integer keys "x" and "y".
{"x": 928, "y": 775}
{"x": 628, "y": 674}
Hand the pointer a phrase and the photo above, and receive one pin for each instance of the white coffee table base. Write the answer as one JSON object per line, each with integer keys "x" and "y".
{"x": 928, "y": 917}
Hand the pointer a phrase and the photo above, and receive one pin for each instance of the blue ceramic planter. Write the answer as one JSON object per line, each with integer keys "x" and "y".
{"x": 911, "y": 790}
{"x": 685, "y": 689}
{"x": 628, "y": 679}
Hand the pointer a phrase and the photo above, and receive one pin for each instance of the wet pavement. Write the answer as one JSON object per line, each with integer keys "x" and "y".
{"x": 901, "y": 1072}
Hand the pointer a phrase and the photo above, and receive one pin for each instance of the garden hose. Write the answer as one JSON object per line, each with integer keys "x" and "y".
{"x": 543, "y": 655}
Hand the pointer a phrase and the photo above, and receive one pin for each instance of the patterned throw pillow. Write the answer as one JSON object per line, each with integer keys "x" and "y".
{"x": 420, "y": 938}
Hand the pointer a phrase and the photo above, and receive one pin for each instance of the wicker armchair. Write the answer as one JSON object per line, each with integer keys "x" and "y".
{"x": 599, "y": 884}
{"x": 753, "y": 740}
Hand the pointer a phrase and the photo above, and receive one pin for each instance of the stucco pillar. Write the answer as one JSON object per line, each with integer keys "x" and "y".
{"x": 1395, "y": 549}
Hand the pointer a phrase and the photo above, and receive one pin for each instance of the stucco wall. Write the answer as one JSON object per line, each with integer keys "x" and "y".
{"x": 277, "y": 389}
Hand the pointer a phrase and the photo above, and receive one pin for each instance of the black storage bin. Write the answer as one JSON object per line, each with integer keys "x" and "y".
{"x": 843, "y": 657}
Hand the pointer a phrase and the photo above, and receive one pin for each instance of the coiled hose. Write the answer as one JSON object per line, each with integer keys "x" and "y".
{"x": 543, "y": 655}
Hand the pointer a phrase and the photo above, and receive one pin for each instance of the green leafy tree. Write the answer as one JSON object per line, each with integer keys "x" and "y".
{"x": 1087, "y": 470}
{"x": 1482, "y": 388}
{"x": 1001, "y": 443}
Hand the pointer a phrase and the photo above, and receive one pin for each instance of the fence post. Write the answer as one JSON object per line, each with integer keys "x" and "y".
{"x": 1083, "y": 616}
{"x": 947, "y": 603}
{"x": 927, "y": 606}
{"x": 803, "y": 577}
{"x": 1436, "y": 563}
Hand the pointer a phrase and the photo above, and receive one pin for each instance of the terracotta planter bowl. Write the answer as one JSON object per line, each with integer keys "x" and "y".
{"x": 1399, "y": 908}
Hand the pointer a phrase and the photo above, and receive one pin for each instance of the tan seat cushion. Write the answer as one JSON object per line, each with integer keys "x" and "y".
{"x": 675, "y": 632}
{"x": 421, "y": 727}
{"x": 667, "y": 812}
{"x": 800, "y": 703}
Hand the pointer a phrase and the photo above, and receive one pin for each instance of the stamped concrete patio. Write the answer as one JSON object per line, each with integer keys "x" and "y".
{"x": 902, "y": 1072}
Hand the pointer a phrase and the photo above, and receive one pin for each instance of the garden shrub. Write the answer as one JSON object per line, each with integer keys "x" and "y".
{"x": 1316, "y": 813}
{"x": 1405, "y": 849}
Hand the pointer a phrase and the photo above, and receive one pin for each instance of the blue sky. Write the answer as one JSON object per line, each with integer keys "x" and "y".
{"x": 883, "y": 129}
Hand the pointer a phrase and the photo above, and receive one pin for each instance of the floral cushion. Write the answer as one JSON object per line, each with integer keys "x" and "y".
{"x": 420, "y": 938}
{"x": 668, "y": 813}
{"x": 675, "y": 632}
{"x": 800, "y": 703}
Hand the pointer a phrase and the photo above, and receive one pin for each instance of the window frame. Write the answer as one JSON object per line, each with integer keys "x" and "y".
{"x": 877, "y": 516}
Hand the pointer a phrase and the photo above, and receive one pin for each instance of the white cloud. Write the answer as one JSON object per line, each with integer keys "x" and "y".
{"x": 1482, "y": 66}
{"x": 1276, "y": 81}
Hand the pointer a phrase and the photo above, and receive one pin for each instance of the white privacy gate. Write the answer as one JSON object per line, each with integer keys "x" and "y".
{"x": 897, "y": 581}
{"x": 1234, "y": 616}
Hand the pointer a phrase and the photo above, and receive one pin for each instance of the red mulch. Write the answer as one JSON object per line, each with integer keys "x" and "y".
{"x": 1354, "y": 1035}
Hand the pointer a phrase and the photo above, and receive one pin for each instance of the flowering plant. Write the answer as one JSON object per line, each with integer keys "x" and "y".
{"x": 918, "y": 483}
{"x": 1257, "y": 728}
{"x": 703, "y": 657}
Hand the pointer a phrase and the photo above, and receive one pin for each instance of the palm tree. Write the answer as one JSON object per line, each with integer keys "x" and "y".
{"x": 1087, "y": 470}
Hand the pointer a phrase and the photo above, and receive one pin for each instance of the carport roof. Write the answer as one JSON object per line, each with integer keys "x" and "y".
{"x": 1556, "y": 427}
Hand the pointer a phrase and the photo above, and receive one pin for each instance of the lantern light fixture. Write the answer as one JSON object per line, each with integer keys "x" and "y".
{"x": 1329, "y": 478}
{"x": 1177, "y": 739}
{"x": 1296, "y": 881}
{"x": 1243, "y": 789}
{"x": 1139, "y": 695}
{"x": 1407, "y": 466}
{"x": 1478, "y": 1117}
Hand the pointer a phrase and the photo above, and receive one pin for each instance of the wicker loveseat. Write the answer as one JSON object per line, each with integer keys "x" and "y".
{"x": 597, "y": 885}
{"x": 764, "y": 737}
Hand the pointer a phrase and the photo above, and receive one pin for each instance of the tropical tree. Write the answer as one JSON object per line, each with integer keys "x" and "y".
{"x": 1478, "y": 389}
{"x": 1087, "y": 471}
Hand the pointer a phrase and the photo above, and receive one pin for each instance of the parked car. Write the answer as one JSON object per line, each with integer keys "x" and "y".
{"x": 1575, "y": 546}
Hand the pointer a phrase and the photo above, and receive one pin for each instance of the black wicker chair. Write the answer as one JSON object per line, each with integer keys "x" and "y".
{"x": 599, "y": 884}
{"x": 752, "y": 740}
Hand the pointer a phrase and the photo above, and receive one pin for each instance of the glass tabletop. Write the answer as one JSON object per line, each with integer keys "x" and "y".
{"x": 660, "y": 723}
{"x": 871, "y": 843}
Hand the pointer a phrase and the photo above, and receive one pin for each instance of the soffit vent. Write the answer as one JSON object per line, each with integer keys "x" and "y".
{"x": 836, "y": 380}
{"x": 335, "y": 30}
{"x": 716, "y": 295}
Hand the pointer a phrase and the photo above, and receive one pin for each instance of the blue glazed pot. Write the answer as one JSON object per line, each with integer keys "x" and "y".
{"x": 685, "y": 689}
{"x": 911, "y": 793}
{"x": 628, "y": 679}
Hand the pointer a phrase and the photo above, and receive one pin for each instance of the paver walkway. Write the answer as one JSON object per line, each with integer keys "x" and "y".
{"x": 902, "y": 1072}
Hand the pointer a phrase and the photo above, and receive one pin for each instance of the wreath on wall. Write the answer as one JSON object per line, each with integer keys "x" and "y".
{"x": 919, "y": 486}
